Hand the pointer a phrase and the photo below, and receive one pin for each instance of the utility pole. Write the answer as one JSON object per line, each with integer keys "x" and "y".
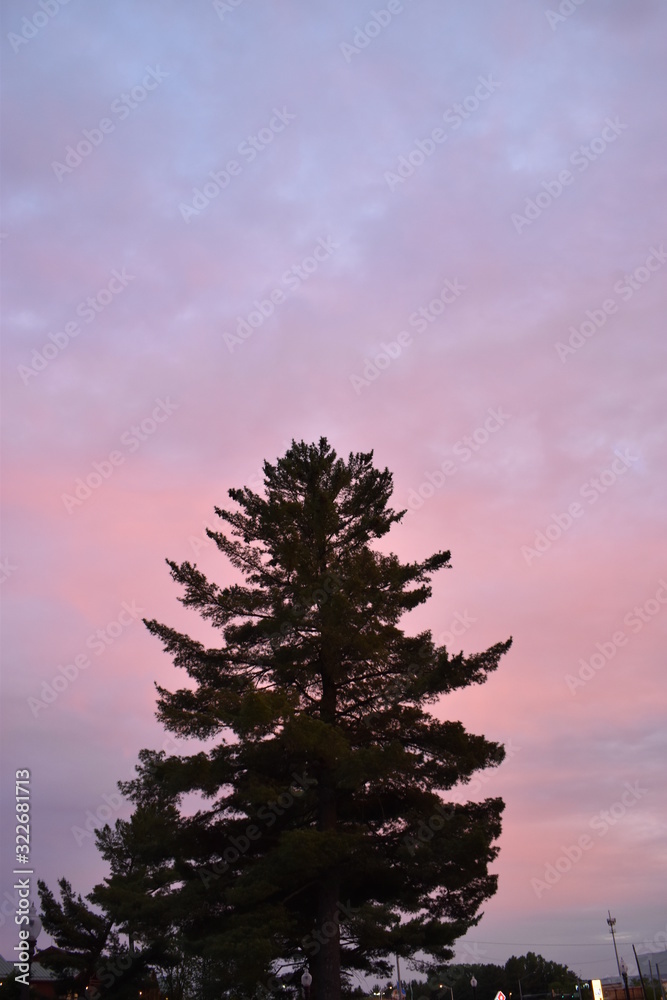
{"x": 639, "y": 970}
{"x": 612, "y": 923}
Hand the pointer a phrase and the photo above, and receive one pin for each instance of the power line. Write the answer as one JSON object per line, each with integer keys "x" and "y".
{"x": 542, "y": 944}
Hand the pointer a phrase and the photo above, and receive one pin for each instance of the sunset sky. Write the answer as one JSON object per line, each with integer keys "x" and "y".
{"x": 431, "y": 228}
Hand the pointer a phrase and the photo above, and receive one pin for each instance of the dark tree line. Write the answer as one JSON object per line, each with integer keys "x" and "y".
{"x": 538, "y": 977}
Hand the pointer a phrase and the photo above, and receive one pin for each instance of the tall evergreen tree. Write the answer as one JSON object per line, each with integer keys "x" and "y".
{"x": 320, "y": 838}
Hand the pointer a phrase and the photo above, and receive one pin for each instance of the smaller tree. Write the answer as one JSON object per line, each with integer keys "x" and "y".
{"x": 81, "y": 935}
{"x": 88, "y": 957}
{"x": 132, "y": 893}
{"x": 538, "y": 975}
{"x": 135, "y": 896}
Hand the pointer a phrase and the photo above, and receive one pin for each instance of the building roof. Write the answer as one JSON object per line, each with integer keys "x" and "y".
{"x": 37, "y": 971}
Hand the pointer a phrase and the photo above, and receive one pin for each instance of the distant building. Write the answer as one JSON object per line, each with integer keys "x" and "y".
{"x": 613, "y": 989}
{"x": 42, "y": 980}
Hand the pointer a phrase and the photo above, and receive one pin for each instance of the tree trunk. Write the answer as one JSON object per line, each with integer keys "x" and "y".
{"x": 326, "y": 964}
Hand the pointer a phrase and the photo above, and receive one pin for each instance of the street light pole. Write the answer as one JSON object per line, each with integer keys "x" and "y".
{"x": 34, "y": 927}
{"x": 624, "y": 973}
{"x": 473, "y": 984}
{"x": 306, "y": 982}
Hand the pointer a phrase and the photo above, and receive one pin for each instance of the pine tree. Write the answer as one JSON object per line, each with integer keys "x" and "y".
{"x": 133, "y": 891}
{"x": 321, "y": 838}
{"x": 88, "y": 954}
{"x": 82, "y": 936}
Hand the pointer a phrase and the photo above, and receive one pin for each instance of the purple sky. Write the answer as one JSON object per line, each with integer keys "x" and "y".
{"x": 437, "y": 231}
